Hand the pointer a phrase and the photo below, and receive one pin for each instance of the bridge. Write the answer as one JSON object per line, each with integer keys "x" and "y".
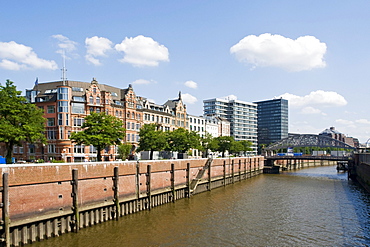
{"x": 303, "y": 141}
{"x": 307, "y": 140}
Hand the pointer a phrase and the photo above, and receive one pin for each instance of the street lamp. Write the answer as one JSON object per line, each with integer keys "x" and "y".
{"x": 366, "y": 145}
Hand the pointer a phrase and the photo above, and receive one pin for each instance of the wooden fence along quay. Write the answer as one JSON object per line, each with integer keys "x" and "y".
{"x": 41, "y": 201}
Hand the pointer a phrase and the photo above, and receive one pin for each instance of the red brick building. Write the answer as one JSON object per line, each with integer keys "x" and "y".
{"x": 67, "y": 103}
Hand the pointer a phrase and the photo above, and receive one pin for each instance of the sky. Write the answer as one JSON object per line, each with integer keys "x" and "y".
{"x": 314, "y": 53}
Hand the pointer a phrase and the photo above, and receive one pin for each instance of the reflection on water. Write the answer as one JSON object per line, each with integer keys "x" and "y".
{"x": 308, "y": 207}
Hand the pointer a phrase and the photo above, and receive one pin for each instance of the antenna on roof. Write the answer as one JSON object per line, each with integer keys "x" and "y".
{"x": 64, "y": 70}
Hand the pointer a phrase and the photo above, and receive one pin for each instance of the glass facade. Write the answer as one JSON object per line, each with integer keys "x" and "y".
{"x": 272, "y": 121}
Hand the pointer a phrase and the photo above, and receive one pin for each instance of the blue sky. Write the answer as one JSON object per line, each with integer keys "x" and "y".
{"x": 314, "y": 53}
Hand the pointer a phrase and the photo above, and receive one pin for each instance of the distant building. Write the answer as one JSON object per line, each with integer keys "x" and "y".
{"x": 335, "y": 134}
{"x": 272, "y": 121}
{"x": 241, "y": 115}
{"x": 197, "y": 124}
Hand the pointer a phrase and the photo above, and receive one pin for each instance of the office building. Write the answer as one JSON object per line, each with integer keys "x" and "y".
{"x": 272, "y": 121}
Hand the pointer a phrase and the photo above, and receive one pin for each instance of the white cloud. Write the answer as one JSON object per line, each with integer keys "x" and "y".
{"x": 316, "y": 98}
{"x": 267, "y": 50}
{"x": 311, "y": 110}
{"x": 191, "y": 84}
{"x": 142, "y": 51}
{"x": 363, "y": 121}
{"x": 65, "y": 44}
{"x": 347, "y": 123}
{"x": 14, "y": 56}
{"x": 143, "y": 82}
{"x": 189, "y": 99}
{"x": 97, "y": 47}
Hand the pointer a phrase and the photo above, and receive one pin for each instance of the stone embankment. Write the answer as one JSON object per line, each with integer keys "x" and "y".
{"x": 40, "y": 201}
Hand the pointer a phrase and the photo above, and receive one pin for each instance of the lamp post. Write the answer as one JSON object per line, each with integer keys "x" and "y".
{"x": 366, "y": 145}
{"x": 43, "y": 152}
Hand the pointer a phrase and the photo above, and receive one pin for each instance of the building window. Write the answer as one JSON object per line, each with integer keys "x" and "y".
{"x": 21, "y": 149}
{"x": 63, "y": 106}
{"x": 128, "y": 137}
{"x": 92, "y": 149}
{"x": 62, "y": 93}
{"x": 97, "y": 100}
{"x": 51, "y": 148}
{"x": 94, "y": 90}
{"x": 78, "y": 108}
{"x": 31, "y": 149}
{"x": 60, "y": 119}
{"x": 51, "y": 122}
{"x": 78, "y": 122}
{"x": 51, "y": 134}
{"x": 78, "y": 149}
{"x": 91, "y": 100}
{"x": 61, "y": 133}
{"x": 51, "y": 109}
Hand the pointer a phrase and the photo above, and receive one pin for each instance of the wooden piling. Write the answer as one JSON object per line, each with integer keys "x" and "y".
{"x": 173, "y": 182}
{"x": 148, "y": 186}
{"x": 75, "y": 207}
{"x": 5, "y": 207}
{"x": 116, "y": 192}
{"x": 188, "y": 180}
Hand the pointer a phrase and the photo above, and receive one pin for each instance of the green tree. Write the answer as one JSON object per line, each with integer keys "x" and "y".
{"x": 208, "y": 142}
{"x": 124, "y": 151}
{"x": 224, "y": 144}
{"x": 19, "y": 121}
{"x": 152, "y": 139}
{"x": 181, "y": 140}
{"x": 246, "y": 146}
{"x": 100, "y": 130}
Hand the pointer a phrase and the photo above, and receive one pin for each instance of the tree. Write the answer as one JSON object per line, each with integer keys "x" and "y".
{"x": 124, "y": 151}
{"x": 152, "y": 139}
{"x": 19, "y": 121}
{"x": 181, "y": 140}
{"x": 208, "y": 142}
{"x": 224, "y": 144}
{"x": 100, "y": 130}
{"x": 246, "y": 146}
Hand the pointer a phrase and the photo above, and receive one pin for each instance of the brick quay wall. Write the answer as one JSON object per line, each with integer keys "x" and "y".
{"x": 46, "y": 200}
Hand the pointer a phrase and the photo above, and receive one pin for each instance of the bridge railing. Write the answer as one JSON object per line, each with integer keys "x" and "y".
{"x": 364, "y": 158}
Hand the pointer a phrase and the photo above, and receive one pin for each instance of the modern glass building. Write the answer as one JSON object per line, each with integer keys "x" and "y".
{"x": 241, "y": 115}
{"x": 272, "y": 120}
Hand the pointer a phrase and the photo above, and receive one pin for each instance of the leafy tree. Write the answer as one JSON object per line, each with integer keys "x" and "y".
{"x": 152, "y": 139}
{"x": 208, "y": 142}
{"x": 224, "y": 144}
{"x": 246, "y": 146}
{"x": 100, "y": 130}
{"x": 236, "y": 147}
{"x": 19, "y": 121}
{"x": 181, "y": 140}
{"x": 124, "y": 151}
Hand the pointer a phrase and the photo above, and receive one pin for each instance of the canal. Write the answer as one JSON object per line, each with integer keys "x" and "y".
{"x": 307, "y": 207}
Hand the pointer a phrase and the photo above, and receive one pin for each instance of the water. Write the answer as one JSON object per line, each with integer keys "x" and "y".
{"x": 309, "y": 207}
